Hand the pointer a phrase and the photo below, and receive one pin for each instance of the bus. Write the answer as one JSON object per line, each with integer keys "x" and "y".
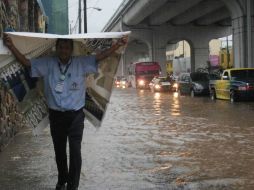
{"x": 141, "y": 73}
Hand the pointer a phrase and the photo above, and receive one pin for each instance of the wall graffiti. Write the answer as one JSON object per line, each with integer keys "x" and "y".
{"x": 20, "y": 95}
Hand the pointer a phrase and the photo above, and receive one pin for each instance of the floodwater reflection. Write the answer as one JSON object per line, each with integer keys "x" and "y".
{"x": 175, "y": 94}
{"x": 157, "y": 95}
{"x": 148, "y": 141}
{"x": 157, "y": 103}
{"x": 175, "y": 107}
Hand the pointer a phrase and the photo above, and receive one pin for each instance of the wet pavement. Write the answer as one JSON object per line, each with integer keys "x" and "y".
{"x": 148, "y": 141}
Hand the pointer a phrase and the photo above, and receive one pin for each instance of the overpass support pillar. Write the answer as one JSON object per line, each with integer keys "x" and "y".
{"x": 199, "y": 58}
{"x": 243, "y": 36}
{"x": 250, "y": 32}
{"x": 240, "y": 47}
{"x": 160, "y": 56}
{"x": 251, "y": 46}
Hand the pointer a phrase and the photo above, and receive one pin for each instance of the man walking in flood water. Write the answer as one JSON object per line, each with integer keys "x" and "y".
{"x": 64, "y": 89}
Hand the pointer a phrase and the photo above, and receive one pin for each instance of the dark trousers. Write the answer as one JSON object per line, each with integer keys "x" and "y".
{"x": 69, "y": 125}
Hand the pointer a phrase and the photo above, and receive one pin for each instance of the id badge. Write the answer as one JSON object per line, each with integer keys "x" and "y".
{"x": 74, "y": 86}
{"x": 59, "y": 87}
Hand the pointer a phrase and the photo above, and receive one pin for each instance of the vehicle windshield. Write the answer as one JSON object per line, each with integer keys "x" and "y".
{"x": 163, "y": 79}
{"x": 199, "y": 77}
{"x": 147, "y": 72}
{"x": 242, "y": 75}
{"x": 118, "y": 78}
{"x": 214, "y": 76}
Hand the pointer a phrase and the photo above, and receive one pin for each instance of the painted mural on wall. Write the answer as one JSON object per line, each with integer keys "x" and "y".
{"x": 3, "y": 17}
{"x": 21, "y": 104}
{"x": 13, "y": 14}
{"x": 21, "y": 15}
{"x": 21, "y": 91}
{"x": 10, "y": 118}
{"x": 23, "y": 10}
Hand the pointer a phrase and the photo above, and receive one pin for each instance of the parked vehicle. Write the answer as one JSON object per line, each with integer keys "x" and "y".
{"x": 161, "y": 84}
{"x": 117, "y": 81}
{"x": 193, "y": 84}
{"x": 234, "y": 85}
{"x": 141, "y": 73}
{"x": 124, "y": 83}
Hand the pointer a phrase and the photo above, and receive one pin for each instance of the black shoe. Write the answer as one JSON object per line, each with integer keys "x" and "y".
{"x": 60, "y": 187}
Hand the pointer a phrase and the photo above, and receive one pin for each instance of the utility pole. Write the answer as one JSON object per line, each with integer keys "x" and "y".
{"x": 228, "y": 56}
{"x": 85, "y": 17}
{"x": 183, "y": 48}
{"x": 79, "y": 15}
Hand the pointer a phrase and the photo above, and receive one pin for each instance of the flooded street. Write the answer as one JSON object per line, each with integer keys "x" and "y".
{"x": 148, "y": 141}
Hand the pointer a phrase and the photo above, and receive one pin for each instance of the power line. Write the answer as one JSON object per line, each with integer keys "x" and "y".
{"x": 95, "y": 5}
{"x": 75, "y": 26}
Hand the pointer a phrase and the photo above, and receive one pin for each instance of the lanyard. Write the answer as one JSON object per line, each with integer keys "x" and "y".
{"x": 62, "y": 77}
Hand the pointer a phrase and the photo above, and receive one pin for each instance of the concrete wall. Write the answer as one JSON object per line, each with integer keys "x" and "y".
{"x": 57, "y": 11}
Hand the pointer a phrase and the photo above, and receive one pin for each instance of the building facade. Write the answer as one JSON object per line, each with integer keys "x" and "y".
{"x": 57, "y": 12}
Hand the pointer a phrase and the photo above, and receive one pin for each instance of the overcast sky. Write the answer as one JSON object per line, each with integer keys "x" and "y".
{"x": 96, "y": 19}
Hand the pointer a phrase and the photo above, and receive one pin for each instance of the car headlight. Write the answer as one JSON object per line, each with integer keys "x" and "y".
{"x": 198, "y": 86}
{"x": 175, "y": 85}
{"x": 157, "y": 86}
{"x": 141, "y": 82}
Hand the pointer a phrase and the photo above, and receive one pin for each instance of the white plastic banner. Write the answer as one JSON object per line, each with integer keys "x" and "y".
{"x": 27, "y": 92}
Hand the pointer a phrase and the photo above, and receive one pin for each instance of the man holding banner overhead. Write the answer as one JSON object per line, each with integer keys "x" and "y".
{"x": 65, "y": 92}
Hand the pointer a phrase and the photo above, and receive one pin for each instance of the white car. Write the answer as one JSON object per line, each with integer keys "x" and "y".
{"x": 159, "y": 84}
{"x": 124, "y": 83}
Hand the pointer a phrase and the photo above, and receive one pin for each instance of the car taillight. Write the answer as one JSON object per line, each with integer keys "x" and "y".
{"x": 242, "y": 88}
{"x": 250, "y": 87}
{"x": 175, "y": 85}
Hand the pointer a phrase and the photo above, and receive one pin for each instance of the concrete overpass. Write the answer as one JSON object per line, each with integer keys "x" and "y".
{"x": 155, "y": 24}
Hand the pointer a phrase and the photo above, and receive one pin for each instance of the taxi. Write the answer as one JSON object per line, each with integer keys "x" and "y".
{"x": 234, "y": 85}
